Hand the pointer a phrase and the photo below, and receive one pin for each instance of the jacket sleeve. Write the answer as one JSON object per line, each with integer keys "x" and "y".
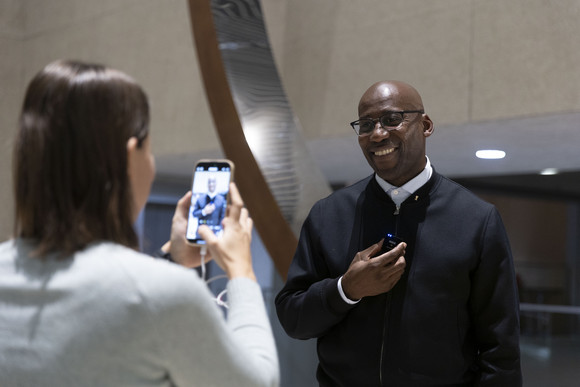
{"x": 495, "y": 309}
{"x": 198, "y": 208}
{"x": 309, "y": 304}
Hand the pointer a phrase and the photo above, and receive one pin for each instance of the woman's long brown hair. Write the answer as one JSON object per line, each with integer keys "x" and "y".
{"x": 71, "y": 186}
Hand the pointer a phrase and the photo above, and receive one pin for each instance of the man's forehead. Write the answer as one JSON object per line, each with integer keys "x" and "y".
{"x": 383, "y": 95}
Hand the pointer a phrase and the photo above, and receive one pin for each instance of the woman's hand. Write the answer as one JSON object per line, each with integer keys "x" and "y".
{"x": 231, "y": 250}
{"x": 181, "y": 251}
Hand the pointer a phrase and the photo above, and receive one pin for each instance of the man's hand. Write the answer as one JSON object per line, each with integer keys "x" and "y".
{"x": 369, "y": 276}
{"x": 208, "y": 209}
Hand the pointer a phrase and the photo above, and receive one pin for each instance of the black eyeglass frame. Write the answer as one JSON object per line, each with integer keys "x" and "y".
{"x": 375, "y": 120}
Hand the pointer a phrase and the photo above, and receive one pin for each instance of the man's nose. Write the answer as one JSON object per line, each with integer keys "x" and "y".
{"x": 379, "y": 133}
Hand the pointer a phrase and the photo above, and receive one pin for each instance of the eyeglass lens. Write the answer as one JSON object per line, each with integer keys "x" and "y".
{"x": 389, "y": 120}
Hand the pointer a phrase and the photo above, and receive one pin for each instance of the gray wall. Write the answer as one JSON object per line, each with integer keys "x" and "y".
{"x": 473, "y": 60}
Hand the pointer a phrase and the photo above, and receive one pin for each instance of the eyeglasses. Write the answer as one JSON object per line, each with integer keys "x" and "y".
{"x": 389, "y": 121}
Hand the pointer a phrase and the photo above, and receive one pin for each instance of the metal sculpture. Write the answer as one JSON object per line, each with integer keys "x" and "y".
{"x": 247, "y": 101}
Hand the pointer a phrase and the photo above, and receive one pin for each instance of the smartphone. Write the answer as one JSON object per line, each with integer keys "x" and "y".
{"x": 210, "y": 193}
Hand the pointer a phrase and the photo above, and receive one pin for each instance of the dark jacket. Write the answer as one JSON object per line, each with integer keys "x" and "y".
{"x": 453, "y": 317}
{"x": 216, "y": 217}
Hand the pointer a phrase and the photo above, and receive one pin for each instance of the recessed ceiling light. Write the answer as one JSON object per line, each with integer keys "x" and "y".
{"x": 490, "y": 154}
{"x": 549, "y": 171}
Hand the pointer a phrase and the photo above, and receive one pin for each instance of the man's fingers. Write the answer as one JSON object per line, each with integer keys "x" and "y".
{"x": 391, "y": 256}
{"x": 400, "y": 248}
{"x": 372, "y": 250}
{"x": 402, "y": 263}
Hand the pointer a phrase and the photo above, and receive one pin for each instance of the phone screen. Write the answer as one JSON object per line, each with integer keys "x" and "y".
{"x": 210, "y": 188}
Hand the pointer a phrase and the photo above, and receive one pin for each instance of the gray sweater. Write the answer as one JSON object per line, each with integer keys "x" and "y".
{"x": 110, "y": 316}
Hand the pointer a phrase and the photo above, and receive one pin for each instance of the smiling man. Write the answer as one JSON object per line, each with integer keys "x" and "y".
{"x": 405, "y": 278}
{"x": 397, "y": 156}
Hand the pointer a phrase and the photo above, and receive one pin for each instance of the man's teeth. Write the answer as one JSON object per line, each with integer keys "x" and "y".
{"x": 384, "y": 152}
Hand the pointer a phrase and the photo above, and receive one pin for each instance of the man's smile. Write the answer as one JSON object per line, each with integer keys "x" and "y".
{"x": 383, "y": 152}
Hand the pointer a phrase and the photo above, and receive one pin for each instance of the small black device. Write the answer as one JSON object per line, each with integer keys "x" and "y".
{"x": 210, "y": 188}
{"x": 390, "y": 243}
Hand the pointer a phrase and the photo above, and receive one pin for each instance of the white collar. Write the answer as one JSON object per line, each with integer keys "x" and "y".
{"x": 412, "y": 185}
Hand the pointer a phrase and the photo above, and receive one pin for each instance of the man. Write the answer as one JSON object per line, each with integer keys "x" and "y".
{"x": 440, "y": 308}
{"x": 210, "y": 207}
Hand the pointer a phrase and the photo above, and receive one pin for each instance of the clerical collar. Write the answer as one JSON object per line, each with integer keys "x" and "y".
{"x": 399, "y": 194}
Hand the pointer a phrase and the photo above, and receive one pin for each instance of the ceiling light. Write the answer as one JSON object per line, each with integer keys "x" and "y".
{"x": 490, "y": 154}
{"x": 549, "y": 171}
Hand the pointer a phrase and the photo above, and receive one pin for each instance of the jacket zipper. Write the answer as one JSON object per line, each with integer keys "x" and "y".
{"x": 388, "y": 305}
{"x": 387, "y": 310}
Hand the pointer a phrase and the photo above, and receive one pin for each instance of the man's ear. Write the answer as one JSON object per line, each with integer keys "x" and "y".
{"x": 428, "y": 126}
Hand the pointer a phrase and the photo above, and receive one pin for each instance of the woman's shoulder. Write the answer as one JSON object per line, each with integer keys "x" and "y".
{"x": 153, "y": 277}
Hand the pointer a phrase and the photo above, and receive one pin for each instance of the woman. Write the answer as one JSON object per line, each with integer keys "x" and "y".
{"x": 79, "y": 305}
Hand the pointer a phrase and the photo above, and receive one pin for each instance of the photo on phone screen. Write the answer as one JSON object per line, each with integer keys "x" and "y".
{"x": 210, "y": 188}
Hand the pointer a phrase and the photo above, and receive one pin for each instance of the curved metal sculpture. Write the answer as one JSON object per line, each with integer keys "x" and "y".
{"x": 247, "y": 101}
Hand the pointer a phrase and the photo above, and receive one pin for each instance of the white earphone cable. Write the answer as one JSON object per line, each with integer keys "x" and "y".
{"x": 219, "y": 299}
